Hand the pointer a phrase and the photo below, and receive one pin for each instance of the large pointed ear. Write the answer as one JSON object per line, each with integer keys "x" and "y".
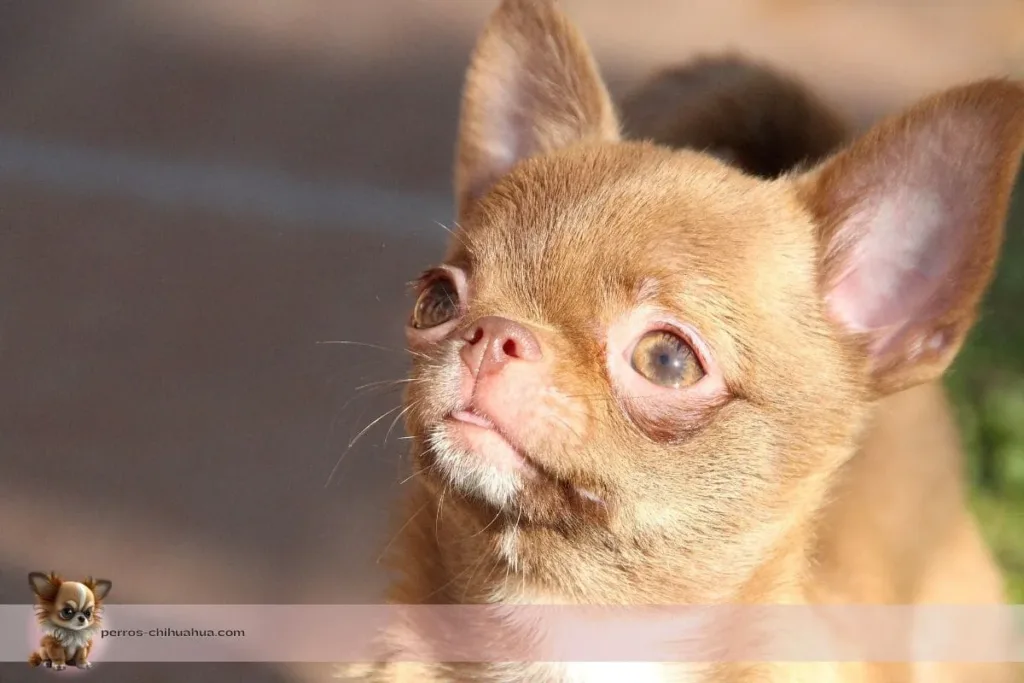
{"x": 532, "y": 87}
{"x": 43, "y": 585}
{"x": 911, "y": 223}
{"x": 99, "y": 587}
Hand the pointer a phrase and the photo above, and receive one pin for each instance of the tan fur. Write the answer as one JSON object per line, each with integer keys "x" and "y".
{"x": 85, "y": 600}
{"x": 825, "y": 469}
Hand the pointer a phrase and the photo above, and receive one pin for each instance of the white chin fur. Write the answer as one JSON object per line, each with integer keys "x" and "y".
{"x": 468, "y": 474}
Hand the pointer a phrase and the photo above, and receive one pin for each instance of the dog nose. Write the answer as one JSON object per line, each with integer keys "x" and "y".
{"x": 81, "y": 619}
{"x": 494, "y": 341}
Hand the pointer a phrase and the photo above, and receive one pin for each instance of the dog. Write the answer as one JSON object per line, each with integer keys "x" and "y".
{"x": 69, "y": 613}
{"x": 688, "y": 351}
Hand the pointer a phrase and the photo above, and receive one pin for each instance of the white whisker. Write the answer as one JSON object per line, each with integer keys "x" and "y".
{"x": 378, "y": 347}
{"x": 397, "y": 418}
{"x": 353, "y": 443}
{"x": 454, "y": 234}
{"x": 387, "y": 382}
{"x": 437, "y": 517}
{"x": 398, "y": 533}
{"x": 511, "y": 560}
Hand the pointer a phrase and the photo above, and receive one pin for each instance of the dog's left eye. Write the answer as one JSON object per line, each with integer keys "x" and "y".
{"x": 87, "y": 613}
{"x": 665, "y": 359}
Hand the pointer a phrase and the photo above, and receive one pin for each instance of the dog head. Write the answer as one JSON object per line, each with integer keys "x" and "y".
{"x": 73, "y": 605}
{"x": 644, "y": 362}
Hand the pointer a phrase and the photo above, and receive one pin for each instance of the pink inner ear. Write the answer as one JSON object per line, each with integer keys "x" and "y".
{"x": 908, "y": 245}
{"x": 503, "y": 123}
{"x": 532, "y": 88}
{"x": 915, "y": 219}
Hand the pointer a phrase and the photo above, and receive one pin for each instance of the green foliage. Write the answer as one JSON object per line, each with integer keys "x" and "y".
{"x": 1002, "y": 522}
{"x": 987, "y": 386}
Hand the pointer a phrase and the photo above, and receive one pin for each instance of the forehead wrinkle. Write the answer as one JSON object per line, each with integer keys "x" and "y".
{"x": 567, "y": 283}
{"x": 554, "y": 227}
{"x": 561, "y": 195}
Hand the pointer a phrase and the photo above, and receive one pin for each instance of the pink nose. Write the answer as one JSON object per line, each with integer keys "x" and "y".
{"x": 495, "y": 341}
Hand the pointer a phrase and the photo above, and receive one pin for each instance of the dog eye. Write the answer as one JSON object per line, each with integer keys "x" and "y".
{"x": 67, "y": 613}
{"x": 665, "y": 359}
{"x": 87, "y": 613}
{"x": 437, "y": 304}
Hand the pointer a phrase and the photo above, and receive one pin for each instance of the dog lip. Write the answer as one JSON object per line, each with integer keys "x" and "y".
{"x": 473, "y": 417}
{"x": 477, "y": 418}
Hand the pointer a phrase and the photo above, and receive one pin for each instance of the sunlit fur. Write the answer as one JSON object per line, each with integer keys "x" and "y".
{"x": 816, "y": 461}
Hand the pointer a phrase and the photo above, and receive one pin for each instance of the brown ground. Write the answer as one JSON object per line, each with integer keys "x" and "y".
{"x": 167, "y": 416}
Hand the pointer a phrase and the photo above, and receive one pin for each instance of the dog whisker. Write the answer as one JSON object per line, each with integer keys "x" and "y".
{"x": 387, "y": 383}
{"x": 463, "y": 240}
{"x": 440, "y": 506}
{"x": 408, "y": 479}
{"x": 493, "y": 520}
{"x": 474, "y": 568}
{"x": 606, "y": 398}
{"x": 398, "y": 533}
{"x": 356, "y": 439}
{"x": 572, "y": 430}
{"x": 367, "y": 345}
{"x": 511, "y": 560}
{"x": 397, "y": 418}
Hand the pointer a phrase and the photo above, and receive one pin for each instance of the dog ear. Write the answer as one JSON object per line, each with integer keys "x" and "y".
{"x": 911, "y": 220}
{"x": 45, "y": 586}
{"x": 532, "y": 87}
{"x": 99, "y": 587}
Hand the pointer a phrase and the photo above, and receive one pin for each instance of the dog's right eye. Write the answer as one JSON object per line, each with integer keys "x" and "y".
{"x": 67, "y": 613}
{"x": 437, "y": 304}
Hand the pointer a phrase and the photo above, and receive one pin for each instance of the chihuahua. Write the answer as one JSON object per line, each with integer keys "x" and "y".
{"x": 688, "y": 351}
{"x": 69, "y": 613}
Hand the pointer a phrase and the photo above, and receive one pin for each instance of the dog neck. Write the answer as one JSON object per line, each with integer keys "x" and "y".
{"x": 70, "y": 637}
{"x": 465, "y": 556}
{"x": 462, "y": 561}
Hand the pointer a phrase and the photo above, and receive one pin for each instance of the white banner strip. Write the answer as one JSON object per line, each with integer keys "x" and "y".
{"x": 353, "y": 633}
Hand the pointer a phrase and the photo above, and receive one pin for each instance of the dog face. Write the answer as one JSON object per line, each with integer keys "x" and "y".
{"x": 71, "y": 605}
{"x": 644, "y": 358}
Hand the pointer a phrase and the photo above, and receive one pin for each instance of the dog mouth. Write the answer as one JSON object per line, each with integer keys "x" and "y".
{"x": 487, "y": 440}
{"x": 486, "y": 445}
{"x": 71, "y": 626}
{"x": 472, "y": 416}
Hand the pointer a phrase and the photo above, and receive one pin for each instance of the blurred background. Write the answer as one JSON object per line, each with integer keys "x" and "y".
{"x": 198, "y": 196}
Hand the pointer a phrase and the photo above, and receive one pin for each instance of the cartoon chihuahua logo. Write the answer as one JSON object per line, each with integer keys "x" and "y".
{"x": 69, "y": 613}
